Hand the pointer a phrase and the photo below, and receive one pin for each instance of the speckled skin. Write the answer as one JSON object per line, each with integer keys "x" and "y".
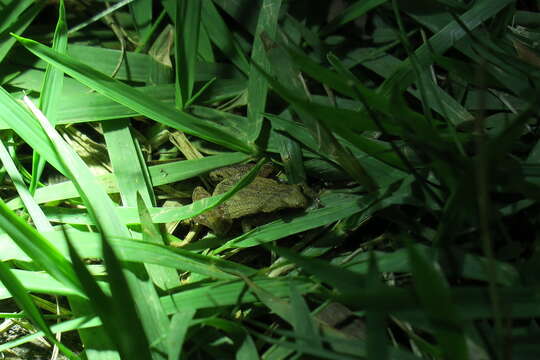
{"x": 262, "y": 195}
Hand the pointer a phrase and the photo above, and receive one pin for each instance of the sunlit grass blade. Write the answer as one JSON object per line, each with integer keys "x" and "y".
{"x": 115, "y": 314}
{"x": 347, "y": 206}
{"x": 102, "y": 210}
{"x": 37, "y": 215}
{"x": 51, "y": 89}
{"x": 20, "y": 120}
{"x": 37, "y": 282}
{"x": 164, "y": 278}
{"x": 136, "y": 251}
{"x": 26, "y": 303}
{"x": 39, "y": 249}
{"x": 180, "y": 322}
{"x": 159, "y": 175}
{"x": 216, "y": 294}
{"x": 131, "y": 98}
{"x": 127, "y": 163}
{"x": 69, "y": 325}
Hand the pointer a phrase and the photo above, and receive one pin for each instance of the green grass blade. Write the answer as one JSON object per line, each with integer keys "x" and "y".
{"x": 159, "y": 175}
{"x": 127, "y": 163}
{"x": 442, "y": 41}
{"x": 133, "y": 99}
{"x": 39, "y": 249}
{"x": 163, "y": 277}
{"x": 303, "y": 323}
{"x": 180, "y": 322}
{"x": 38, "y": 282}
{"x": 277, "y": 229}
{"x": 326, "y": 140}
{"x": 51, "y": 89}
{"x": 434, "y": 293}
{"x": 354, "y": 11}
{"x": 77, "y": 323}
{"x": 20, "y": 120}
{"x": 141, "y": 12}
{"x": 117, "y": 314}
{"x": 17, "y": 18}
{"x": 135, "y": 251}
{"x": 257, "y": 83}
{"x": 101, "y": 209}
{"x": 248, "y": 349}
{"x": 37, "y": 215}
{"x": 377, "y": 343}
{"x": 187, "y": 25}
{"x": 211, "y": 295}
{"x": 222, "y": 37}
{"x": 24, "y": 300}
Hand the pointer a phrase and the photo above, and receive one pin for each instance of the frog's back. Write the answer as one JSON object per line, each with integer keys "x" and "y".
{"x": 261, "y": 196}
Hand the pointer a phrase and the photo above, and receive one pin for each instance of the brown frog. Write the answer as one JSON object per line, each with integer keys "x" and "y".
{"x": 262, "y": 195}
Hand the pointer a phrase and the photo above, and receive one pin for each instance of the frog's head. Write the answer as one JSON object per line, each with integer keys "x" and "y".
{"x": 296, "y": 198}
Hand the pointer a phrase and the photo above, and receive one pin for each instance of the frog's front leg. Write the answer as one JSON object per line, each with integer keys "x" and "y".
{"x": 213, "y": 219}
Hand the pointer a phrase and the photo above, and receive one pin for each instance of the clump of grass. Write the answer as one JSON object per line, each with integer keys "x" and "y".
{"x": 411, "y": 128}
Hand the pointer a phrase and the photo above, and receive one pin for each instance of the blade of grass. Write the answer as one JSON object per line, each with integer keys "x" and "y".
{"x": 24, "y": 300}
{"x": 257, "y": 84}
{"x": 38, "y": 217}
{"x": 434, "y": 294}
{"x": 303, "y": 323}
{"x": 349, "y": 14}
{"x": 326, "y": 141}
{"x": 135, "y": 100}
{"x": 11, "y": 22}
{"x": 159, "y": 174}
{"x": 127, "y": 163}
{"x": 443, "y": 40}
{"x": 38, "y": 282}
{"x": 51, "y": 89}
{"x": 221, "y": 36}
{"x": 118, "y": 314}
{"x": 102, "y": 210}
{"x": 180, "y": 322}
{"x": 227, "y": 293}
{"x": 141, "y": 12}
{"x": 100, "y": 15}
{"x": 163, "y": 277}
{"x": 377, "y": 343}
{"x": 187, "y": 25}
{"x": 37, "y": 247}
{"x": 136, "y": 251}
{"x": 69, "y": 325}
{"x": 18, "y": 119}
{"x": 248, "y": 349}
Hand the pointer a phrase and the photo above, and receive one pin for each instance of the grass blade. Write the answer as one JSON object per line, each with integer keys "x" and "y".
{"x": 51, "y": 89}
{"x": 133, "y": 99}
{"x": 188, "y": 20}
{"x": 257, "y": 83}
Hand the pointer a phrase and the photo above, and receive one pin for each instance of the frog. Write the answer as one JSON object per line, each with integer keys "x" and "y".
{"x": 263, "y": 195}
